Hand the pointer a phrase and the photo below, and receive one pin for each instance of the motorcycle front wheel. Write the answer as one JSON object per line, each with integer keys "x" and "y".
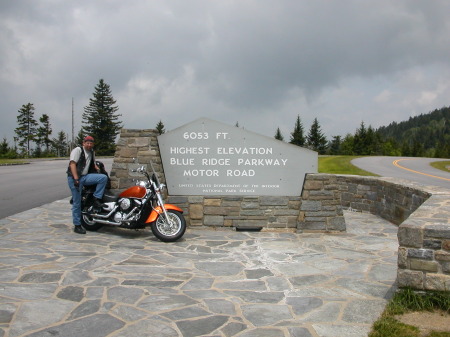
{"x": 169, "y": 230}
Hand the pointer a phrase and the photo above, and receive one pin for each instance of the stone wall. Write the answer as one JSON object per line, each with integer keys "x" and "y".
{"x": 423, "y": 213}
{"x": 240, "y": 212}
{"x": 388, "y": 198}
{"x": 320, "y": 206}
{"x": 135, "y": 146}
{"x": 424, "y": 245}
{"x": 324, "y": 197}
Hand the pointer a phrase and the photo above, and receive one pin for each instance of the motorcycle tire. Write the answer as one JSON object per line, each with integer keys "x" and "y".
{"x": 169, "y": 232}
{"x": 89, "y": 224}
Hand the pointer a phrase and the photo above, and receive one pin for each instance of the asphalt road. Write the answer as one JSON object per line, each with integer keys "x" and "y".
{"x": 35, "y": 184}
{"x": 415, "y": 169}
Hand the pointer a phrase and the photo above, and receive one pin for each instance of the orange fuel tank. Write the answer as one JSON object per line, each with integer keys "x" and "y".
{"x": 133, "y": 192}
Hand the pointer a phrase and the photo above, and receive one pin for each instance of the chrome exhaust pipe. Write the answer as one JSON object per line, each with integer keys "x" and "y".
{"x": 106, "y": 222}
{"x": 106, "y": 216}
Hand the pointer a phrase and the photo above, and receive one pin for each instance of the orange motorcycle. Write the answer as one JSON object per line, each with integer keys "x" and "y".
{"x": 135, "y": 208}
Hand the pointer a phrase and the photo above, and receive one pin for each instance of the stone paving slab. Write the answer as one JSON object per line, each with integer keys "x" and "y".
{"x": 117, "y": 282}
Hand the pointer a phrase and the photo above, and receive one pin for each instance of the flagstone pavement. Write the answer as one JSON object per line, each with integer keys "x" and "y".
{"x": 119, "y": 283}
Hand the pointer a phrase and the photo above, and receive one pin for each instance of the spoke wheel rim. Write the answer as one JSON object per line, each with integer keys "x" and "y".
{"x": 168, "y": 229}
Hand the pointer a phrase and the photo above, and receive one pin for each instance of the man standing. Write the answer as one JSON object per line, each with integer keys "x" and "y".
{"x": 83, "y": 171}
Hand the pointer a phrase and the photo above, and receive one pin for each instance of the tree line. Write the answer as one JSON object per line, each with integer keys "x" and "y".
{"x": 33, "y": 138}
{"x": 427, "y": 135}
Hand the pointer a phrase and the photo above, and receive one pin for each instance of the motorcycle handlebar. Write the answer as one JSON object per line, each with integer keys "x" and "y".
{"x": 139, "y": 170}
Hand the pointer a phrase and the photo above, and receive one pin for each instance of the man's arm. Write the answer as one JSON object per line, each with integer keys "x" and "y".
{"x": 73, "y": 169}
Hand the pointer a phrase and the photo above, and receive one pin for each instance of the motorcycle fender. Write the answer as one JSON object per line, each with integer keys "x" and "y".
{"x": 158, "y": 210}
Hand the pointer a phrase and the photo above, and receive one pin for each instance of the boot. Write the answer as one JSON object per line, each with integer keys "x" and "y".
{"x": 97, "y": 203}
{"x": 79, "y": 229}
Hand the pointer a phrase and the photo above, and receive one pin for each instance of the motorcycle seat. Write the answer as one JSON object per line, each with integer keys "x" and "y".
{"x": 110, "y": 196}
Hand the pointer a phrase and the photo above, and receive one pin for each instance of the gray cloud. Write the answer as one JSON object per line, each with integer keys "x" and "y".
{"x": 256, "y": 62}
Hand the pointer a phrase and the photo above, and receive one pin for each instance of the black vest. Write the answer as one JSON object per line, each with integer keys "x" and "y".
{"x": 82, "y": 164}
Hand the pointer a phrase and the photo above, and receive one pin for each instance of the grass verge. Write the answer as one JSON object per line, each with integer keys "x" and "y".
{"x": 407, "y": 300}
{"x": 441, "y": 165}
{"x": 13, "y": 161}
{"x": 341, "y": 165}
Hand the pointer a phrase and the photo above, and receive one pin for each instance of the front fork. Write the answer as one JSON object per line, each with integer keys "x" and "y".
{"x": 161, "y": 209}
{"x": 161, "y": 204}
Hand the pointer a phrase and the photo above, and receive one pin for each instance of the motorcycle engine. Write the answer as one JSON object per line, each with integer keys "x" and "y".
{"x": 119, "y": 216}
{"x": 125, "y": 204}
{"x": 109, "y": 206}
{"x": 126, "y": 207}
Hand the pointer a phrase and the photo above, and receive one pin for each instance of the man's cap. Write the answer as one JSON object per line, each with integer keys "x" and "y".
{"x": 88, "y": 139}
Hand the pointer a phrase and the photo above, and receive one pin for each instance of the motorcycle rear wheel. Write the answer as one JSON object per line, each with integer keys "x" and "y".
{"x": 169, "y": 231}
{"x": 88, "y": 223}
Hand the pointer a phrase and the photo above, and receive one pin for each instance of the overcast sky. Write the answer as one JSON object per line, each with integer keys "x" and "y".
{"x": 259, "y": 62}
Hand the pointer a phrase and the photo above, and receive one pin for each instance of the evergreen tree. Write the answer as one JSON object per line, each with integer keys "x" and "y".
{"x": 6, "y": 151}
{"x": 417, "y": 149}
{"x": 44, "y": 132}
{"x": 359, "y": 141}
{"x": 442, "y": 150}
{"x": 79, "y": 139}
{"x": 315, "y": 139}
{"x": 101, "y": 121}
{"x": 278, "y": 135}
{"x": 406, "y": 149}
{"x": 425, "y": 129}
{"x": 26, "y": 131}
{"x": 4, "y": 147}
{"x": 297, "y": 137}
{"x": 390, "y": 148}
{"x": 60, "y": 145}
{"x": 347, "y": 145}
{"x": 334, "y": 148}
{"x": 372, "y": 142}
{"x": 160, "y": 127}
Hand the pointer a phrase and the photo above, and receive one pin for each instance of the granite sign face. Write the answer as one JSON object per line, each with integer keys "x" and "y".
{"x": 206, "y": 157}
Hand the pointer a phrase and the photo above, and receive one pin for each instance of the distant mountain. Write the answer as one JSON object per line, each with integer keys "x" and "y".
{"x": 423, "y": 135}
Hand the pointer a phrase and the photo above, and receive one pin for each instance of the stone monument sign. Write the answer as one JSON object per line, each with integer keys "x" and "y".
{"x": 206, "y": 157}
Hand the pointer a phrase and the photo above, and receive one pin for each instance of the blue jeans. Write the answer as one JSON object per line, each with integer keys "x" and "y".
{"x": 97, "y": 179}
